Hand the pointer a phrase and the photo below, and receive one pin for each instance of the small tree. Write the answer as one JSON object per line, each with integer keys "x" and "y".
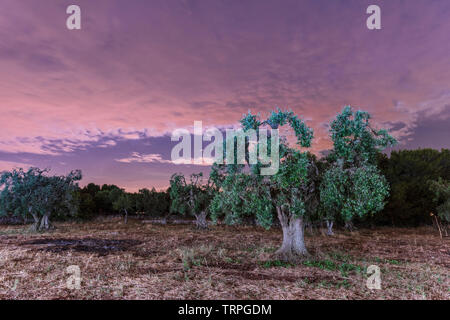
{"x": 353, "y": 185}
{"x": 35, "y": 193}
{"x": 123, "y": 203}
{"x": 191, "y": 198}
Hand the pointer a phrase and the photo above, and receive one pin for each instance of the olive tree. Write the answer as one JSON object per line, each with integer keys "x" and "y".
{"x": 353, "y": 185}
{"x": 287, "y": 195}
{"x": 192, "y": 198}
{"x": 34, "y": 192}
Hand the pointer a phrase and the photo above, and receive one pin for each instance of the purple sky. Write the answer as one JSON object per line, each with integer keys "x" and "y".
{"x": 105, "y": 99}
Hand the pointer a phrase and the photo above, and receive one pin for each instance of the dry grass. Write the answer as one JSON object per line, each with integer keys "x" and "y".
{"x": 144, "y": 261}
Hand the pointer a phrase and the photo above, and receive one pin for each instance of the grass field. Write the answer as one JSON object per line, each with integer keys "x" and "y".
{"x": 147, "y": 261}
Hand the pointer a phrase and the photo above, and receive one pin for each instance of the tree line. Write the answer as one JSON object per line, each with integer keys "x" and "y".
{"x": 37, "y": 194}
{"x": 94, "y": 200}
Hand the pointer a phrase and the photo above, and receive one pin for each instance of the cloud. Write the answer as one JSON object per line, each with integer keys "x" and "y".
{"x": 143, "y": 158}
{"x": 204, "y": 161}
{"x": 70, "y": 141}
{"x": 137, "y": 157}
{"x": 108, "y": 143}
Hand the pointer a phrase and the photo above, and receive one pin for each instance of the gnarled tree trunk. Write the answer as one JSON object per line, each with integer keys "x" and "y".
{"x": 125, "y": 216}
{"x": 45, "y": 222}
{"x": 293, "y": 247}
{"x": 35, "y": 226}
{"x": 349, "y": 226}
{"x": 330, "y": 227}
{"x": 200, "y": 221}
{"x": 41, "y": 223}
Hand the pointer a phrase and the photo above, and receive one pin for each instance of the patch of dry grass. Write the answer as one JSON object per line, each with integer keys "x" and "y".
{"x": 145, "y": 261}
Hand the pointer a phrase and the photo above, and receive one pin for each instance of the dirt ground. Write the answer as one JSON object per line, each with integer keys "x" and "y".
{"x": 147, "y": 261}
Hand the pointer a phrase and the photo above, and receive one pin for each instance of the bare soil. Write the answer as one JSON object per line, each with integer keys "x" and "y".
{"x": 148, "y": 261}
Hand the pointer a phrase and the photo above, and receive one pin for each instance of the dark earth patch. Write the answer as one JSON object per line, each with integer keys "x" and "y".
{"x": 101, "y": 247}
{"x": 233, "y": 266}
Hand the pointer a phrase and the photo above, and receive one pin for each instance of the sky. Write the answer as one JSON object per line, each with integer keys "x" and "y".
{"x": 105, "y": 99}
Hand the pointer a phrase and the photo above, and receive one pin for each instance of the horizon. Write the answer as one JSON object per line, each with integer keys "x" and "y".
{"x": 105, "y": 99}
{"x": 164, "y": 188}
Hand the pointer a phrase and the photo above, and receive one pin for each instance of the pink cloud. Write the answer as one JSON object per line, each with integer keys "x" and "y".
{"x": 143, "y": 158}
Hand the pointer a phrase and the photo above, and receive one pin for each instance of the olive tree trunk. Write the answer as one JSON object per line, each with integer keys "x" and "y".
{"x": 330, "y": 227}
{"x": 200, "y": 221}
{"x": 349, "y": 226}
{"x": 45, "y": 222}
{"x": 41, "y": 223}
{"x": 293, "y": 247}
{"x": 125, "y": 216}
{"x": 35, "y": 226}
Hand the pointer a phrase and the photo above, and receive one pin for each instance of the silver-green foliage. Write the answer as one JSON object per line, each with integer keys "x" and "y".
{"x": 244, "y": 192}
{"x": 353, "y": 185}
{"x": 191, "y": 197}
{"x": 353, "y": 191}
{"x": 34, "y": 192}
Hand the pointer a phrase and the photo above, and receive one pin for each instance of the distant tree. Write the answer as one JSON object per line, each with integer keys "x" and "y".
{"x": 105, "y": 198}
{"x": 145, "y": 201}
{"x": 162, "y": 207}
{"x": 192, "y": 197}
{"x": 86, "y": 205}
{"x": 353, "y": 185}
{"x": 92, "y": 189}
{"x": 34, "y": 192}
{"x": 123, "y": 203}
{"x": 153, "y": 203}
{"x": 441, "y": 191}
{"x": 289, "y": 195}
